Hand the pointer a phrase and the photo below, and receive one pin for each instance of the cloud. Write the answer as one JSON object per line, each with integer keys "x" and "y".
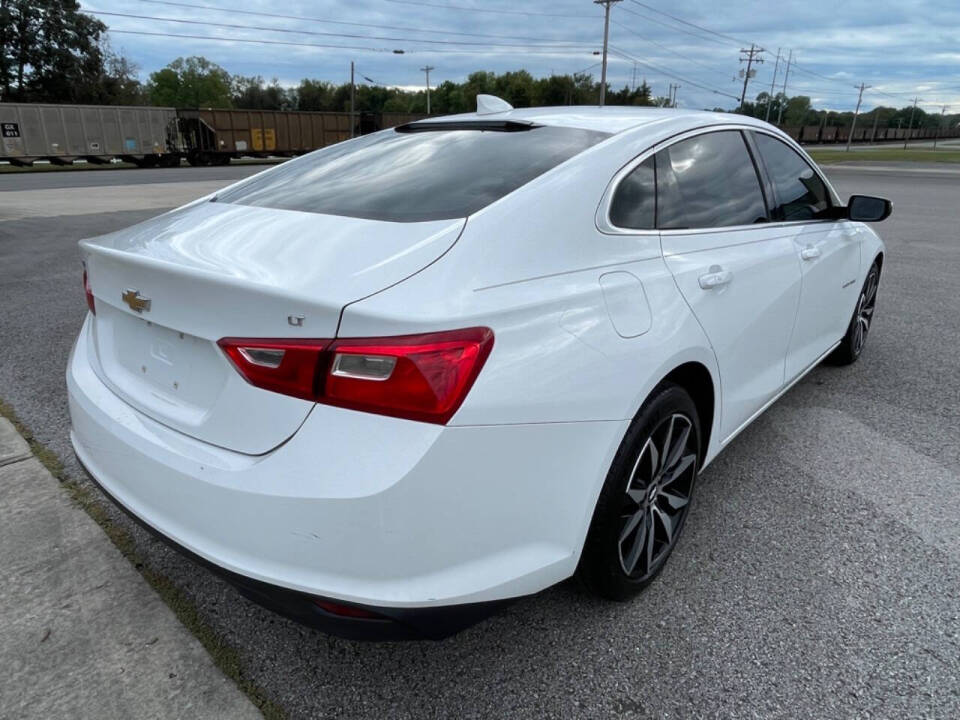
{"x": 900, "y": 51}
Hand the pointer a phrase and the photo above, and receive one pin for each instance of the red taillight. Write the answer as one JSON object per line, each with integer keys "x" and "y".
{"x": 417, "y": 377}
{"x": 291, "y": 367}
{"x": 88, "y": 292}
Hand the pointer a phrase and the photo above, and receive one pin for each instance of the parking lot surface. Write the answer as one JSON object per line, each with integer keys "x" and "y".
{"x": 819, "y": 575}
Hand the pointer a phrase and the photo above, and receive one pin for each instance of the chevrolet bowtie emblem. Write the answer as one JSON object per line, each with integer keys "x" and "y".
{"x": 135, "y": 300}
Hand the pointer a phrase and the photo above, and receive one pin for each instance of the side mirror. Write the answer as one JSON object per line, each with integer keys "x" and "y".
{"x": 864, "y": 208}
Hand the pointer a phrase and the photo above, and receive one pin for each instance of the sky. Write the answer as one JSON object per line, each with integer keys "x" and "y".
{"x": 903, "y": 50}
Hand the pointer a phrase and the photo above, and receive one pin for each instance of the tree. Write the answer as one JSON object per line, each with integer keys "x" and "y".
{"x": 191, "y": 82}
{"x": 251, "y": 93}
{"x": 314, "y": 95}
{"x": 119, "y": 83}
{"x": 49, "y": 51}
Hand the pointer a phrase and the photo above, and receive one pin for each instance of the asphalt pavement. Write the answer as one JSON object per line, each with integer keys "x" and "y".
{"x": 819, "y": 575}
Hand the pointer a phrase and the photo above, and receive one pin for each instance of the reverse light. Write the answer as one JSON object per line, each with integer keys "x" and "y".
{"x": 87, "y": 291}
{"x": 290, "y": 367}
{"x": 417, "y": 377}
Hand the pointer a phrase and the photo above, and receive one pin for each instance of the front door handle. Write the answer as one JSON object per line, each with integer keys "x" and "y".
{"x": 810, "y": 252}
{"x": 717, "y": 277}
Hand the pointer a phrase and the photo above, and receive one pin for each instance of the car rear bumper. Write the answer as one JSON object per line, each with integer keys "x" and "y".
{"x": 398, "y": 517}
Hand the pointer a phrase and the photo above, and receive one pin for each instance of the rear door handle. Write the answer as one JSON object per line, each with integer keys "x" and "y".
{"x": 810, "y": 252}
{"x": 717, "y": 277}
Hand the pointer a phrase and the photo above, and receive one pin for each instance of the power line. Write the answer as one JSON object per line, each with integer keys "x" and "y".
{"x": 315, "y": 45}
{"x": 669, "y": 49}
{"x": 406, "y": 28}
{"x": 690, "y": 24}
{"x": 317, "y": 32}
{"x": 671, "y": 27}
{"x": 673, "y": 75}
{"x": 589, "y": 67}
{"x": 485, "y": 10}
{"x": 717, "y": 34}
{"x": 702, "y": 64}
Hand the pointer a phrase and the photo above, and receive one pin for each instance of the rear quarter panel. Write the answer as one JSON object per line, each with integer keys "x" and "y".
{"x": 529, "y": 267}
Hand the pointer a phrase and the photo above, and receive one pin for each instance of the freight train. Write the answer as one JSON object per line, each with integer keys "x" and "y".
{"x": 163, "y": 136}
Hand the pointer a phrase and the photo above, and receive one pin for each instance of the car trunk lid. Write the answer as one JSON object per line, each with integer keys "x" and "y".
{"x": 166, "y": 290}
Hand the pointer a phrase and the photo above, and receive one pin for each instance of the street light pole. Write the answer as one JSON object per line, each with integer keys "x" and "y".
{"x": 351, "y": 99}
{"x": 606, "y": 34}
{"x": 427, "y": 70}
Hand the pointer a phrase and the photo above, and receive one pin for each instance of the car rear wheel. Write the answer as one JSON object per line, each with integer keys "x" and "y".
{"x": 646, "y": 497}
{"x": 853, "y": 342}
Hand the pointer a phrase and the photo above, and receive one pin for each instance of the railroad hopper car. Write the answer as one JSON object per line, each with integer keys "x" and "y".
{"x": 97, "y": 133}
{"x": 153, "y": 136}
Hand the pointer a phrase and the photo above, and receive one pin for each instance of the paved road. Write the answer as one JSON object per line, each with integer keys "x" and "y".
{"x": 48, "y": 179}
{"x": 819, "y": 576}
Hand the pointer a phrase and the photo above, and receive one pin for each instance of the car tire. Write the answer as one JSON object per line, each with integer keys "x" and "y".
{"x": 853, "y": 342}
{"x": 645, "y": 498}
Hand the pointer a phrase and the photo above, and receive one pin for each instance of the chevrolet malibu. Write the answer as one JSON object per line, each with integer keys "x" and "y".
{"x": 388, "y": 386}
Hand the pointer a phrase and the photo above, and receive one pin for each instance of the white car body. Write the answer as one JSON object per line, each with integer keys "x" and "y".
{"x": 387, "y": 512}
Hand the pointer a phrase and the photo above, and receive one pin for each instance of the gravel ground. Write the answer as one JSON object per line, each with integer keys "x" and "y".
{"x": 819, "y": 575}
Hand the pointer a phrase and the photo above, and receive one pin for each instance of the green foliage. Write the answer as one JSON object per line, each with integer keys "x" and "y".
{"x": 52, "y": 52}
{"x": 251, "y": 93}
{"x": 192, "y": 82}
{"x": 519, "y": 88}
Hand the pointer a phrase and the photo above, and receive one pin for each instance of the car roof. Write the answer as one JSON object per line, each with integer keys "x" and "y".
{"x": 610, "y": 119}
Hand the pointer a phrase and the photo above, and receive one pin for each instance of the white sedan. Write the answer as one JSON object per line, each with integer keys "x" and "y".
{"x": 392, "y": 384}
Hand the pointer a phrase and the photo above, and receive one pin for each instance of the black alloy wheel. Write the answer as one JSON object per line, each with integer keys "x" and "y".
{"x": 646, "y": 497}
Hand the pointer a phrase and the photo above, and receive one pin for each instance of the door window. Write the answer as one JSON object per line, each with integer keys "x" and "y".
{"x": 635, "y": 201}
{"x": 708, "y": 181}
{"x": 801, "y": 194}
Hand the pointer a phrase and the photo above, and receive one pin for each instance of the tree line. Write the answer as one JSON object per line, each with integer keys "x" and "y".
{"x": 52, "y": 52}
{"x": 798, "y": 110}
{"x": 197, "y": 82}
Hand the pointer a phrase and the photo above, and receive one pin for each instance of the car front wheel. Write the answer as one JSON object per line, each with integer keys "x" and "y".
{"x": 853, "y": 342}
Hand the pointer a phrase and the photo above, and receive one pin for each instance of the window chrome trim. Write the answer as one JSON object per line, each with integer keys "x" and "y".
{"x": 606, "y": 226}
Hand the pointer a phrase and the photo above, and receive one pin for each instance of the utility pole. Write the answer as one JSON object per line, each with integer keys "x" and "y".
{"x": 786, "y": 77}
{"x": 939, "y": 126}
{"x": 633, "y": 86}
{"x": 606, "y": 35}
{"x": 752, "y": 57}
{"x": 427, "y": 70}
{"x": 351, "y": 99}
{"x": 906, "y": 137}
{"x": 876, "y": 121}
{"x": 673, "y": 94}
{"x": 855, "y": 114}
{"x": 773, "y": 82}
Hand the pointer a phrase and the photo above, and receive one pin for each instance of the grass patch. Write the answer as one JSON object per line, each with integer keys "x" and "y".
{"x": 827, "y": 157}
{"x": 225, "y": 656}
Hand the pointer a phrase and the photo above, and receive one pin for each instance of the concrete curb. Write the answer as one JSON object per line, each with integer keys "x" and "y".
{"x": 13, "y": 448}
{"x": 85, "y": 636}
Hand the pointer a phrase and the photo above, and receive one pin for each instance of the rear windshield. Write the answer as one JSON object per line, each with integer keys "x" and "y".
{"x": 413, "y": 176}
